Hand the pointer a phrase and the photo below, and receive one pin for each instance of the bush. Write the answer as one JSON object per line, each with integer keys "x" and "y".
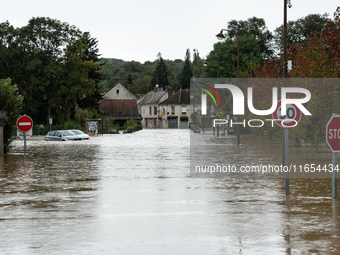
{"x": 132, "y": 125}
{"x": 10, "y": 106}
{"x": 71, "y": 125}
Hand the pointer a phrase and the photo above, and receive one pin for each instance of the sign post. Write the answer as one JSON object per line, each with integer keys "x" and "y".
{"x": 333, "y": 141}
{"x": 50, "y": 121}
{"x": 24, "y": 124}
{"x": 286, "y": 120}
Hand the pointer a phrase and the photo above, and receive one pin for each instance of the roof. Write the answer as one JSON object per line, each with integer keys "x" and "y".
{"x": 153, "y": 97}
{"x": 138, "y": 96}
{"x": 113, "y": 93}
{"x": 119, "y": 109}
{"x": 180, "y": 97}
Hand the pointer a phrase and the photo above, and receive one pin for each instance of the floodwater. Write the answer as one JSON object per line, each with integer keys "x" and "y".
{"x": 133, "y": 194}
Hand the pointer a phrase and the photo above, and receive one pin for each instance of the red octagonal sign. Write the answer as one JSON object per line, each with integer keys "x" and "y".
{"x": 24, "y": 123}
{"x": 333, "y": 133}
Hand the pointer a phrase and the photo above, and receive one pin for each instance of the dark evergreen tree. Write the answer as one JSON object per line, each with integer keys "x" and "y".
{"x": 197, "y": 64}
{"x": 160, "y": 73}
{"x": 129, "y": 83}
{"x": 186, "y": 73}
{"x": 92, "y": 54}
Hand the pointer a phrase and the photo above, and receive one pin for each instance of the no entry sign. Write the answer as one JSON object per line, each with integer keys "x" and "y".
{"x": 333, "y": 133}
{"x": 288, "y": 119}
{"x": 24, "y": 123}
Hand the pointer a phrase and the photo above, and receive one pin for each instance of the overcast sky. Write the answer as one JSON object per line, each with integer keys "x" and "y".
{"x": 139, "y": 29}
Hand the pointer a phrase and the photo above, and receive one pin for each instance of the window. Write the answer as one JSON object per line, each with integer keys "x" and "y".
{"x": 155, "y": 110}
{"x": 155, "y": 122}
{"x": 163, "y": 111}
{"x": 150, "y": 110}
{"x": 172, "y": 109}
{"x": 117, "y": 91}
{"x": 184, "y": 109}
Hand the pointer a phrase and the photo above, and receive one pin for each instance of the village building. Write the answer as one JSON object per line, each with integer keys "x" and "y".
{"x": 119, "y": 104}
{"x": 176, "y": 110}
{"x": 149, "y": 107}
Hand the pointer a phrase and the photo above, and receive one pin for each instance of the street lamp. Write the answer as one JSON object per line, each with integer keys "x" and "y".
{"x": 221, "y": 36}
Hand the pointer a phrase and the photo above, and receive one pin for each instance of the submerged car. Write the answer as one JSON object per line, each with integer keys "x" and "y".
{"x": 61, "y": 135}
{"x": 80, "y": 134}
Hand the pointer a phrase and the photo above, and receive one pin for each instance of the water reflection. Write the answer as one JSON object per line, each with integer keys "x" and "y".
{"x": 132, "y": 194}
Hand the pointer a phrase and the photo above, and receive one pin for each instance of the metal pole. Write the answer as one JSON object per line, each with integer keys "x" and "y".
{"x": 285, "y": 131}
{"x": 334, "y": 175}
{"x": 285, "y": 39}
{"x": 286, "y": 158}
{"x": 25, "y": 143}
{"x": 238, "y": 75}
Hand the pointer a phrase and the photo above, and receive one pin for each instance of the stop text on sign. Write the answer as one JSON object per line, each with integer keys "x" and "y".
{"x": 334, "y": 133}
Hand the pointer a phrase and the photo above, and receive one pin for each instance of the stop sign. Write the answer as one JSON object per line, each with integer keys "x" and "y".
{"x": 333, "y": 133}
{"x": 24, "y": 123}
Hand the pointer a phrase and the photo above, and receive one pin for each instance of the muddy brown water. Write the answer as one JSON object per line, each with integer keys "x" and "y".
{"x": 133, "y": 194}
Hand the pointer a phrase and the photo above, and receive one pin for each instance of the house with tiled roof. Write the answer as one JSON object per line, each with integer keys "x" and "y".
{"x": 149, "y": 107}
{"x": 119, "y": 104}
{"x": 176, "y": 110}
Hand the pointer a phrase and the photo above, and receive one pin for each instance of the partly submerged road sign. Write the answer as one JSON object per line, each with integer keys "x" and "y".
{"x": 21, "y": 135}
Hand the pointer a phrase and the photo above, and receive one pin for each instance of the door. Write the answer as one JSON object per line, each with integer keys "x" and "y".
{"x": 172, "y": 123}
{"x": 184, "y": 124}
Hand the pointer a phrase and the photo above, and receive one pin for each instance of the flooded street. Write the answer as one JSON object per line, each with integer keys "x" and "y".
{"x": 133, "y": 194}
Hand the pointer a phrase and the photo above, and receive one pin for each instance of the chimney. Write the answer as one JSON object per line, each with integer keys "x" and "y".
{"x": 121, "y": 81}
{"x": 169, "y": 90}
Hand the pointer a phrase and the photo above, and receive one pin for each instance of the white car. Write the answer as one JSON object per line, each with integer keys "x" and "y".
{"x": 80, "y": 134}
{"x": 60, "y": 135}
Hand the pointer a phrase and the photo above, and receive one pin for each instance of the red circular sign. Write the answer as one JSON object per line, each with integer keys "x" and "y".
{"x": 333, "y": 133}
{"x": 290, "y": 119}
{"x": 24, "y": 123}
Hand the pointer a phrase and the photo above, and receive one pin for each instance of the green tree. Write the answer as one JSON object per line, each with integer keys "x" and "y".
{"x": 92, "y": 54}
{"x": 186, "y": 73}
{"x": 10, "y": 107}
{"x": 300, "y": 29}
{"x": 160, "y": 73}
{"x": 47, "y": 59}
{"x": 255, "y": 27}
{"x": 223, "y": 59}
{"x": 129, "y": 83}
{"x": 197, "y": 64}
{"x": 142, "y": 85}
